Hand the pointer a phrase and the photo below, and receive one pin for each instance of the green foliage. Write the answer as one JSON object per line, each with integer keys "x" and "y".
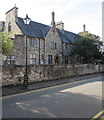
{"x": 6, "y": 43}
{"x": 86, "y": 48}
{"x": 90, "y": 35}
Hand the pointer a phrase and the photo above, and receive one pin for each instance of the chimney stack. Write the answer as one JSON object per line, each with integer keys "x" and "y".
{"x": 84, "y": 28}
{"x": 60, "y": 25}
{"x": 53, "y": 19}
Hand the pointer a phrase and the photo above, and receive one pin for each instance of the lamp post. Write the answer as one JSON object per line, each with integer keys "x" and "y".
{"x": 25, "y": 82}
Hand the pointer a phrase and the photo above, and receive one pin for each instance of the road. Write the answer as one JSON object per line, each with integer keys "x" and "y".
{"x": 81, "y": 99}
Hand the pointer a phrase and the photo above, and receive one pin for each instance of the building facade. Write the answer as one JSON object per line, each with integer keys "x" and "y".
{"x": 46, "y": 44}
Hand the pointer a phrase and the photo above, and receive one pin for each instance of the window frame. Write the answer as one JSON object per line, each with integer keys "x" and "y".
{"x": 32, "y": 59}
{"x": 53, "y": 45}
{"x": 50, "y": 59}
{"x": 9, "y": 27}
{"x": 32, "y": 42}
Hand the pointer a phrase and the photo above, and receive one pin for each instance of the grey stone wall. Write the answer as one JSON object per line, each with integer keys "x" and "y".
{"x": 13, "y": 75}
{"x": 45, "y": 48}
{"x": 19, "y": 50}
{"x": 53, "y": 37}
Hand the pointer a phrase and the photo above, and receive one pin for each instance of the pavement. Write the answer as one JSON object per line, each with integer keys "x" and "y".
{"x": 34, "y": 86}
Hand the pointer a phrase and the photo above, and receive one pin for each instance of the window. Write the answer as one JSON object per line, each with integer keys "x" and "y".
{"x": 66, "y": 59}
{"x": 32, "y": 59}
{"x": 9, "y": 60}
{"x": 42, "y": 56}
{"x": 42, "y": 59}
{"x": 53, "y": 45}
{"x": 66, "y": 46}
{"x": 32, "y": 42}
{"x": 9, "y": 27}
{"x": 50, "y": 59}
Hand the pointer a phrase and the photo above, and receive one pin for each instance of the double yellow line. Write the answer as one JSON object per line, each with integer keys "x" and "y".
{"x": 99, "y": 116}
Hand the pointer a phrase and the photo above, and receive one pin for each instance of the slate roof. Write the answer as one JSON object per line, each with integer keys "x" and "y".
{"x": 34, "y": 29}
{"x": 67, "y": 37}
{"x": 39, "y": 30}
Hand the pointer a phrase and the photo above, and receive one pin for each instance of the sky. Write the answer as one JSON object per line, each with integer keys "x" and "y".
{"x": 73, "y": 13}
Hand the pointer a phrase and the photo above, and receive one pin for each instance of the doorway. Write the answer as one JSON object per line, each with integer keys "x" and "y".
{"x": 57, "y": 59}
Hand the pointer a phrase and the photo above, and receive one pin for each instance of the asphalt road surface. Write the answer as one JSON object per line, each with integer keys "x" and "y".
{"x": 81, "y": 99}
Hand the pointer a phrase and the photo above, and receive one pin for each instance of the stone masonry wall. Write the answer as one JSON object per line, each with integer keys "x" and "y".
{"x": 13, "y": 75}
{"x": 53, "y": 37}
{"x": 45, "y": 49}
{"x": 19, "y": 50}
{"x": 11, "y": 17}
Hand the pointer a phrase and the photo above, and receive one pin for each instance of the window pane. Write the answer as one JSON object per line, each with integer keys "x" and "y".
{"x": 33, "y": 55}
{"x": 42, "y": 56}
{"x": 30, "y": 55}
{"x": 66, "y": 59}
{"x": 33, "y": 61}
{"x": 50, "y": 59}
{"x": 9, "y": 27}
{"x": 55, "y": 46}
{"x": 51, "y": 45}
{"x": 35, "y": 41}
{"x": 32, "y": 42}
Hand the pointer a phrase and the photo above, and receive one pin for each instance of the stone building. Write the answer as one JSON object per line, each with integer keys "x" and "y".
{"x": 46, "y": 44}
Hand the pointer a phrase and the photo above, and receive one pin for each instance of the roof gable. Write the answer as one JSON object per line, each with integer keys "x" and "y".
{"x": 11, "y": 9}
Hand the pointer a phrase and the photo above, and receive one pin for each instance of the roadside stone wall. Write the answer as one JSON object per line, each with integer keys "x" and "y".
{"x": 13, "y": 75}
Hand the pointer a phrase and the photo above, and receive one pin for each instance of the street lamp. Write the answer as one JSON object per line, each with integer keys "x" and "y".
{"x": 25, "y": 82}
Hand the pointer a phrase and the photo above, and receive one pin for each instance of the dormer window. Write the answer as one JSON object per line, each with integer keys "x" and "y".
{"x": 9, "y": 27}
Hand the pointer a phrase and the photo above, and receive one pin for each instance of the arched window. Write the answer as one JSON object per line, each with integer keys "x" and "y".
{"x": 9, "y": 27}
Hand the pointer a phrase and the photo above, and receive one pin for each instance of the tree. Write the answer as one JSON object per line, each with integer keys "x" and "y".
{"x": 89, "y": 35}
{"x": 6, "y": 43}
{"x": 96, "y": 38}
{"x": 86, "y": 48}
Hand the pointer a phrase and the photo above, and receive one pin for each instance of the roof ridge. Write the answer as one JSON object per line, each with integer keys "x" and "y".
{"x": 11, "y": 9}
{"x": 41, "y": 23}
{"x": 67, "y": 31}
{"x": 71, "y": 32}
